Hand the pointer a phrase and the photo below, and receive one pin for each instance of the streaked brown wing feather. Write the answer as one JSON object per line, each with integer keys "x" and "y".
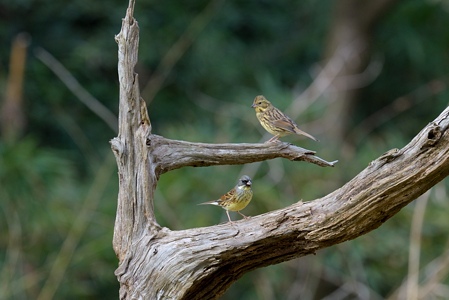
{"x": 282, "y": 121}
{"x": 285, "y": 124}
{"x": 228, "y": 196}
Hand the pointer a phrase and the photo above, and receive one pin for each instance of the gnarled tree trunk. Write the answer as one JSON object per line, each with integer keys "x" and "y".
{"x": 201, "y": 263}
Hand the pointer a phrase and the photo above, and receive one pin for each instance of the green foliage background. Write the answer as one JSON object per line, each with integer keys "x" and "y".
{"x": 58, "y": 183}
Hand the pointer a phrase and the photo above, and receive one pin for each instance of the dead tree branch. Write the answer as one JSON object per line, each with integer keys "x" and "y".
{"x": 201, "y": 263}
{"x": 172, "y": 154}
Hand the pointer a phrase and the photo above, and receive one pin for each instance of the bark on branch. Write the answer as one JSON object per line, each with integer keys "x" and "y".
{"x": 172, "y": 154}
{"x": 201, "y": 263}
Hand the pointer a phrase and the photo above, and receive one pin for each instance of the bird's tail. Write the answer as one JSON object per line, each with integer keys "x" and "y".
{"x": 213, "y": 202}
{"x": 299, "y": 131}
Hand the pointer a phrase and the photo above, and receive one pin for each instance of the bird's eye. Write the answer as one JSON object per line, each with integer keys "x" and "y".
{"x": 259, "y": 102}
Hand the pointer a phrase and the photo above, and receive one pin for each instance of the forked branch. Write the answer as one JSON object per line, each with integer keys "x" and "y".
{"x": 201, "y": 263}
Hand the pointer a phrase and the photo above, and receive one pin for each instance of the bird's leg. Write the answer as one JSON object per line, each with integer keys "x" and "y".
{"x": 243, "y": 215}
{"x": 230, "y": 221}
{"x": 273, "y": 139}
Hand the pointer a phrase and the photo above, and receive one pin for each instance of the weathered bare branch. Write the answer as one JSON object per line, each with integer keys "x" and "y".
{"x": 201, "y": 263}
{"x": 172, "y": 154}
{"x": 129, "y": 147}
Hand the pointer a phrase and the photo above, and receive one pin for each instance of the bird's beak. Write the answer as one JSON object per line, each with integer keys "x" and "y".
{"x": 254, "y": 105}
{"x": 248, "y": 183}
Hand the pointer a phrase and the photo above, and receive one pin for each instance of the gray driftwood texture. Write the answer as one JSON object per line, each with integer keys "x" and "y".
{"x": 201, "y": 263}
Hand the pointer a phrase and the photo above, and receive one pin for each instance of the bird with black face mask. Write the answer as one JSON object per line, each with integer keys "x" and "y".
{"x": 237, "y": 198}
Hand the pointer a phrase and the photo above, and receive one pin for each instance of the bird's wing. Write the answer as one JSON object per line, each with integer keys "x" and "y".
{"x": 228, "y": 196}
{"x": 284, "y": 122}
{"x": 288, "y": 124}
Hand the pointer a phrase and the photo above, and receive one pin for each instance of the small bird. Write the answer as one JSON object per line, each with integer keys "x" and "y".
{"x": 237, "y": 198}
{"x": 275, "y": 121}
